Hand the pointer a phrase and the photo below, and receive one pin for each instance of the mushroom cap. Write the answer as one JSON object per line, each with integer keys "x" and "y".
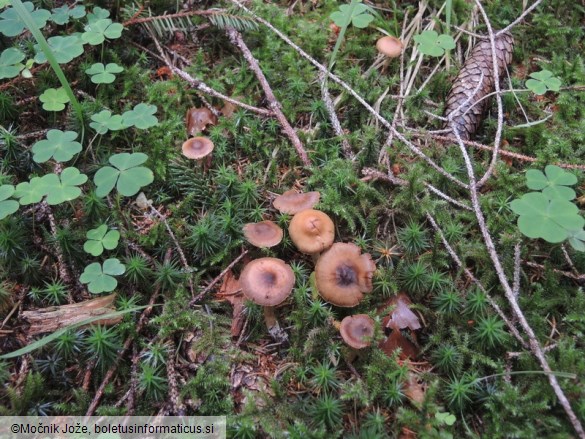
{"x": 355, "y": 330}
{"x": 197, "y": 119}
{"x": 343, "y": 274}
{"x": 263, "y": 234}
{"x": 197, "y": 147}
{"x": 267, "y": 281}
{"x": 312, "y": 231}
{"x": 389, "y": 46}
{"x": 292, "y": 202}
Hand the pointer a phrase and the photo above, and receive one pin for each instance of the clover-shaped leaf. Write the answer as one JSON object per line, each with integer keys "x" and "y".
{"x": 54, "y": 99}
{"x": 97, "y": 31}
{"x": 30, "y": 192}
{"x": 59, "y": 145}
{"x": 11, "y": 25}
{"x": 97, "y": 14}
{"x": 65, "y": 49}
{"x": 100, "y": 239}
{"x": 100, "y": 278}
{"x": 61, "y": 188}
{"x": 577, "y": 239}
{"x": 142, "y": 116}
{"x": 554, "y": 183}
{"x": 542, "y": 82}
{"x": 7, "y": 207}
{"x": 432, "y": 44}
{"x": 548, "y": 219}
{"x": 101, "y": 74}
{"x": 355, "y": 13}
{"x": 64, "y": 13}
{"x": 10, "y": 63}
{"x": 104, "y": 121}
{"x": 126, "y": 175}
{"x": 445, "y": 418}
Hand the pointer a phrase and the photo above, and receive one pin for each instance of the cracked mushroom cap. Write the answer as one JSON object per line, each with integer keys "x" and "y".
{"x": 267, "y": 281}
{"x": 197, "y": 120}
{"x": 357, "y": 330}
{"x": 263, "y": 234}
{"x": 312, "y": 231}
{"x": 343, "y": 274}
{"x": 197, "y": 147}
{"x": 389, "y": 46}
{"x": 292, "y": 202}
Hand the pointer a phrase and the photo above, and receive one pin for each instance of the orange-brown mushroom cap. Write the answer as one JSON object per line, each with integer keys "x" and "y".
{"x": 267, "y": 281}
{"x": 197, "y": 120}
{"x": 292, "y": 202}
{"x": 263, "y": 234}
{"x": 357, "y": 330}
{"x": 343, "y": 274}
{"x": 389, "y": 46}
{"x": 312, "y": 231}
{"x": 197, "y": 147}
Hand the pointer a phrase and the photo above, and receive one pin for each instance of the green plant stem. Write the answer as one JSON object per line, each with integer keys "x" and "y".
{"x": 341, "y": 34}
{"x": 30, "y": 24}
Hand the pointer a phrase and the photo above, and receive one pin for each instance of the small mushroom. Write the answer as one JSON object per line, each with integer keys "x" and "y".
{"x": 263, "y": 234}
{"x": 342, "y": 274}
{"x": 292, "y": 202}
{"x": 197, "y": 148}
{"x": 389, "y": 46}
{"x": 197, "y": 120}
{"x": 267, "y": 281}
{"x": 357, "y": 330}
{"x": 312, "y": 231}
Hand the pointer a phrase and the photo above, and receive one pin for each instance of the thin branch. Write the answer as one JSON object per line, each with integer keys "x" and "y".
{"x": 237, "y": 40}
{"x": 345, "y": 146}
{"x": 517, "y": 261}
{"x": 568, "y": 274}
{"x": 171, "y": 16}
{"x": 520, "y": 18}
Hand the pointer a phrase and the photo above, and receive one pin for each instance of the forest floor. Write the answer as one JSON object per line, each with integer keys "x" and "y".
{"x": 120, "y": 257}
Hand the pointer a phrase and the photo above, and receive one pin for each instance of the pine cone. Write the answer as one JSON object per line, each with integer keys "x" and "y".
{"x": 466, "y": 116}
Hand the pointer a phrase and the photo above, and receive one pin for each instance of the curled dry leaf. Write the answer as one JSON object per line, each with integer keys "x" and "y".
{"x": 231, "y": 291}
{"x": 197, "y": 120}
{"x": 401, "y": 316}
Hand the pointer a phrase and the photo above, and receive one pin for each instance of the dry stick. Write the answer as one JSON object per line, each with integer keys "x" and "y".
{"x": 112, "y": 370}
{"x": 345, "y": 146}
{"x": 237, "y": 40}
{"x": 520, "y": 18}
{"x": 351, "y": 91}
{"x": 569, "y": 260}
{"x": 500, "y": 120}
{"x": 177, "y": 408}
{"x": 204, "y": 88}
{"x": 476, "y": 281}
{"x": 517, "y": 261}
{"x": 509, "y": 293}
{"x": 570, "y": 275}
{"x": 64, "y": 273}
{"x": 217, "y": 279}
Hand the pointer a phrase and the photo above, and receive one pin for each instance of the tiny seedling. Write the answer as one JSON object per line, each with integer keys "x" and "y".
{"x": 125, "y": 174}
{"x": 101, "y": 74}
{"x": 99, "y": 239}
{"x": 54, "y": 99}
{"x": 445, "y": 418}
{"x": 59, "y": 145}
{"x": 7, "y": 207}
{"x": 432, "y": 44}
{"x": 100, "y": 278}
{"x": 543, "y": 81}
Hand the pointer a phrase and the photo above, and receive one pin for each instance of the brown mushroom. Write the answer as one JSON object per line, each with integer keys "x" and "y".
{"x": 197, "y": 120}
{"x": 389, "y": 46}
{"x": 292, "y": 202}
{"x": 197, "y": 148}
{"x": 342, "y": 274}
{"x": 312, "y": 231}
{"x": 357, "y": 330}
{"x": 267, "y": 281}
{"x": 263, "y": 234}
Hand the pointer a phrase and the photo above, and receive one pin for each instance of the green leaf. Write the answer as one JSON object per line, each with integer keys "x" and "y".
{"x": 54, "y": 99}
{"x": 554, "y": 183}
{"x": 432, "y": 44}
{"x": 445, "y": 418}
{"x": 63, "y": 14}
{"x": 100, "y": 239}
{"x": 101, "y": 74}
{"x": 97, "y": 14}
{"x": 141, "y": 116}
{"x": 10, "y": 63}
{"x": 65, "y": 49}
{"x": 31, "y": 192}
{"x": 100, "y": 279}
{"x": 7, "y": 207}
{"x": 355, "y": 13}
{"x": 126, "y": 175}
{"x": 11, "y": 24}
{"x": 542, "y": 82}
{"x": 63, "y": 187}
{"x": 548, "y": 219}
{"x": 59, "y": 145}
{"x": 577, "y": 239}
{"x": 104, "y": 121}
{"x": 97, "y": 31}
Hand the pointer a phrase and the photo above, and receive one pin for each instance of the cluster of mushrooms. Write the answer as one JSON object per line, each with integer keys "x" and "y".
{"x": 342, "y": 273}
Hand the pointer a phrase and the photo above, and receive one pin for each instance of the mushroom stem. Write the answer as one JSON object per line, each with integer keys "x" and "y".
{"x": 270, "y": 317}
